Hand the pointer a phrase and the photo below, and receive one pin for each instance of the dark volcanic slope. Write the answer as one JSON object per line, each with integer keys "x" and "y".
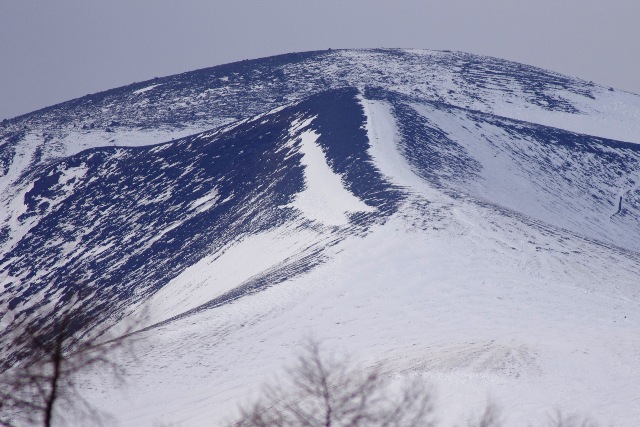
{"x": 84, "y": 216}
{"x": 115, "y": 224}
{"x": 452, "y": 214}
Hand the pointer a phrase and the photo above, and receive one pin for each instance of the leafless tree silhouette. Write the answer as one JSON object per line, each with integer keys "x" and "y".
{"x": 558, "y": 419}
{"x": 41, "y": 386}
{"x": 324, "y": 392}
{"x": 491, "y": 417}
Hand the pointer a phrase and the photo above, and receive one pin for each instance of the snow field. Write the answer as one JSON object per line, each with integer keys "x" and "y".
{"x": 479, "y": 305}
{"x": 489, "y": 322}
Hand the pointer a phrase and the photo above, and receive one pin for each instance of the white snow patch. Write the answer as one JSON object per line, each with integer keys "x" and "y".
{"x": 384, "y": 149}
{"x": 75, "y": 173}
{"x": 160, "y": 235}
{"x": 205, "y": 202}
{"x": 145, "y": 89}
{"x": 324, "y": 199}
{"x": 163, "y": 197}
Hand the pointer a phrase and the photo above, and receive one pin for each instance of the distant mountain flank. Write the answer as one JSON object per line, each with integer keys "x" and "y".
{"x": 469, "y": 219}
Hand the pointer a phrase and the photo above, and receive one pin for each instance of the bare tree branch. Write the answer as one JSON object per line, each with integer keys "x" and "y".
{"x": 325, "y": 392}
{"x": 491, "y": 417}
{"x": 558, "y": 419}
{"x": 42, "y": 384}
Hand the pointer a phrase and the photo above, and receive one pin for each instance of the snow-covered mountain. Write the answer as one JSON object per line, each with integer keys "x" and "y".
{"x": 468, "y": 219}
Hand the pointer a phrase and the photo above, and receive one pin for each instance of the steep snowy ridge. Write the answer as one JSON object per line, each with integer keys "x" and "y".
{"x": 119, "y": 223}
{"x": 474, "y": 301}
{"x": 176, "y": 106}
{"x": 203, "y": 99}
{"x": 569, "y": 180}
{"x": 467, "y": 220}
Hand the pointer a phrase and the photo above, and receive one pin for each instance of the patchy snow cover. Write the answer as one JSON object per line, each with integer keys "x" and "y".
{"x": 205, "y": 202}
{"x": 78, "y": 141}
{"x": 15, "y": 184}
{"x": 34, "y": 149}
{"x": 610, "y": 114}
{"x": 512, "y": 276}
{"x": 172, "y": 107}
{"x": 536, "y": 173}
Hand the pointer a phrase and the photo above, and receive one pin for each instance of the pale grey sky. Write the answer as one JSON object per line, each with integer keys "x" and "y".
{"x": 52, "y": 51}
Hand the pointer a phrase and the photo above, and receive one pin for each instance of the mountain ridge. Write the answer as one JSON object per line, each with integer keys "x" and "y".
{"x": 452, "y": 213}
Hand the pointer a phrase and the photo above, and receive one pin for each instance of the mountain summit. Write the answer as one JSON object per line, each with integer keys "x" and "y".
{"x": 469, "y": 220}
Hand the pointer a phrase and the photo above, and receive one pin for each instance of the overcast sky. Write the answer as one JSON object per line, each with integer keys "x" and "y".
{"x": 55, "y": 50}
